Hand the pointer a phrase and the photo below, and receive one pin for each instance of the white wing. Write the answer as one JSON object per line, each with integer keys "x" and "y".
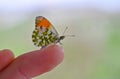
{"x": 54, "y": 31}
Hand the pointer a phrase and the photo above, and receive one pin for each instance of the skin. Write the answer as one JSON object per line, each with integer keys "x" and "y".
{"x": 30, "y": 64}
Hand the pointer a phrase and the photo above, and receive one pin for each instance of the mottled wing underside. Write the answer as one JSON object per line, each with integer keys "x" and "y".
{"x": 43, "y": 36}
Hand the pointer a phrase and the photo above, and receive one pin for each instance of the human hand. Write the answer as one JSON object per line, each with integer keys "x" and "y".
{"x": 29, "y": 64}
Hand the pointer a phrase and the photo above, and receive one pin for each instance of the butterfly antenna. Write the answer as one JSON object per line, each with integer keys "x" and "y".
{"x": 67, "y": 35}
{"x": 65, "y": 30}
{"x": 70, "y": 35}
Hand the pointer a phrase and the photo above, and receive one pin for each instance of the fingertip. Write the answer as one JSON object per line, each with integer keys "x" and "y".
{"x": 54, "y": 48}
{"x": 8, "y": 53}
{"x": 36, "y": 62}
{"x": 6, "y": 57}
{"x": 41, "y": 61}
{"x": 53, "y": 55}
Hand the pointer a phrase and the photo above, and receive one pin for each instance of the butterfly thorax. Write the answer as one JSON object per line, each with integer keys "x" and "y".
{"x": 59, "y": 39}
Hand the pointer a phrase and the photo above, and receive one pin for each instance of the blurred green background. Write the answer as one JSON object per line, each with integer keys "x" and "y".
{"x": 94, "y": 52}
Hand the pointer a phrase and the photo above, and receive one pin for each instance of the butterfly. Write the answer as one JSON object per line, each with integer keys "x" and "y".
{"x": 44, "y": 33}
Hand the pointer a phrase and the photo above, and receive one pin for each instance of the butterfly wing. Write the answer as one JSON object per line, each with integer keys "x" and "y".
{"x": 44, "y": 33}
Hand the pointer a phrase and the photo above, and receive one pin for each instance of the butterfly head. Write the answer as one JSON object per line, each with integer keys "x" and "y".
{"x": 61, "y": 37}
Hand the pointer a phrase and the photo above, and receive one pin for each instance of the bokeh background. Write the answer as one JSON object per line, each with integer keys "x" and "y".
{"x": 94, "y": 52}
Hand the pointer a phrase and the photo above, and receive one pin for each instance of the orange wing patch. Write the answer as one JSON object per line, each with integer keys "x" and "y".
{"x": 42, "y": 22}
